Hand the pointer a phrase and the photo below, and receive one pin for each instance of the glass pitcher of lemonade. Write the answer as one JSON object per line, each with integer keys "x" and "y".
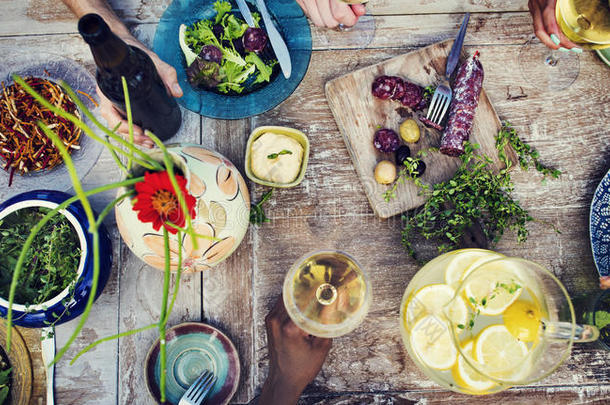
{"x": 478, "y": 322}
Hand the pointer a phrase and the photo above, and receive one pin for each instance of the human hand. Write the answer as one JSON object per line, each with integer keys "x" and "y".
{"x": 546, "y": 28}
{"x": 331, "y": 13}
{"x": 114, "y": 117}
{"x": 295, "y": 358}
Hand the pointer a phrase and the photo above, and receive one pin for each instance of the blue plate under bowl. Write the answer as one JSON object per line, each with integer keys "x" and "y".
{"x": 191, "y": 349}
{"x": 290, "y": 21}
{"x": 599, "y": 226}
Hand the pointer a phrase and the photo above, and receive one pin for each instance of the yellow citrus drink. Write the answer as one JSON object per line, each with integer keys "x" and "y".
{"x": 472, "y": 332}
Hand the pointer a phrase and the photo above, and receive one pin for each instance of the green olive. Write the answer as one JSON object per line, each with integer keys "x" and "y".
{"x": 385, "y": 172}
{"x": 409, "y": 131}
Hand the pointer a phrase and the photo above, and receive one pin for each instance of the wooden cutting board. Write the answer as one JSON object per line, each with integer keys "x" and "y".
{"x": 359, "y": 115}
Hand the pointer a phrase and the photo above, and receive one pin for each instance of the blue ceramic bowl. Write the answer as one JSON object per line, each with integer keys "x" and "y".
{"x": 290, "y": 21}
{"x": 41, "y": 315}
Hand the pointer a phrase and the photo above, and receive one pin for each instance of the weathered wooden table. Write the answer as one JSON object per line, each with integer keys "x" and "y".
{"x": 329, "y": 210}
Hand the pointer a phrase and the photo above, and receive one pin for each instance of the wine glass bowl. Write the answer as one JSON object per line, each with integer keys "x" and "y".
{"x": 327, "y": 293}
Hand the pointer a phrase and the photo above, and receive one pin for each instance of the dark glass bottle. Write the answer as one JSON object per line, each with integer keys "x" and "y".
{"x": 152, "y": 107}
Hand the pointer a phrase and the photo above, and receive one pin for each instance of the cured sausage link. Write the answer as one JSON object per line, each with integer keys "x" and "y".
{"x": 466, "y": 91}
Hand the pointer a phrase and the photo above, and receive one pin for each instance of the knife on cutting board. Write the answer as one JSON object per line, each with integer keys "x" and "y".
{"x": 48, "y": 354}
{"x": 276, "y": 40}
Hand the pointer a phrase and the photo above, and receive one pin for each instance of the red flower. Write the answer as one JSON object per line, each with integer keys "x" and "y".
{"x": 157, "y": 202}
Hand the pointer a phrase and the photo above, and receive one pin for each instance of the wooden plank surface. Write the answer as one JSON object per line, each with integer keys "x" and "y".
{"x": 52, "y": 16}
{"x": 359, "y": 114}
{"x": 329, "y": 209}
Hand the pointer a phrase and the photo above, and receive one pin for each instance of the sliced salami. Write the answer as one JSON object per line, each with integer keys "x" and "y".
{"x": 466, "y": 91}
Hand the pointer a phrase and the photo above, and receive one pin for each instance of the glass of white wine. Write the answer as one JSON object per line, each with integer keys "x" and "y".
{"x": 584, "y": 22}
{"x": 327, "y": 293}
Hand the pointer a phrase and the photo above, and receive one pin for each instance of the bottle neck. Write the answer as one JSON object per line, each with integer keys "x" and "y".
{"x": 112, "y": 54}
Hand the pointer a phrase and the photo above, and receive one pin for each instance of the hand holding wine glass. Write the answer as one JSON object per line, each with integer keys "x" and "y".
{"x": 546, "y": 28}
{"x": 295, "y": 358}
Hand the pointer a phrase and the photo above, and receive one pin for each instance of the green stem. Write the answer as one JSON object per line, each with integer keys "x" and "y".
{"x": 111, "y": 134}
{"x": 212, "y": 238}
{"x": 110, "y": 206}
{"x": 109, "y": 338}
{"x": 129, "y": 119}
{"x": 161, "y": 324}
{"x": 149, "y": 163}
{"x": 177, "y": 285}
{"x": 78, "y": 188}
{"x": 117, "y": 160}
{"x": 34, "y": 232}
{"x": 169, "y": 165}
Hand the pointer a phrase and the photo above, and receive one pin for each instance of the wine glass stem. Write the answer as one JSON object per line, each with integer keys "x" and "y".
{"x": 552, "y": 58}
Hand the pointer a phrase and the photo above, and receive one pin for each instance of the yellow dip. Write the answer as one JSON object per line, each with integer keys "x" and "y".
{"x": 276, "y": 158}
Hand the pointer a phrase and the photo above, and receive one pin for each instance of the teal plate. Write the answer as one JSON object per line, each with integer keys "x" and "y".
{"x": 290, "y": 21}
{"x": 604, "y": 54}
{"x": 191, "y": 349}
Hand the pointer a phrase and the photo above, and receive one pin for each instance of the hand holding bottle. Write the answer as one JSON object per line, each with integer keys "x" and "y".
{"x": 114, "y": 117}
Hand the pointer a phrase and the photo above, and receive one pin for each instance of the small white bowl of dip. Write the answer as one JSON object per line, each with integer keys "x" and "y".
{"x": 277, "y": 156}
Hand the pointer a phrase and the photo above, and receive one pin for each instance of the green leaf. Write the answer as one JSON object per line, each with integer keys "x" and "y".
{"x": 221, "y": 7}
{"x": 4, "y": 376}
{"x": 276, "y": 155}
{"x": 257, "y": 214}
{"x": 264, "y": 71}
{"x": 3, "y": 394}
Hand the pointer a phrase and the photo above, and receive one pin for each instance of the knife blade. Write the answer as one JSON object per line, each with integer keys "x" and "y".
{"x": 277, "y": 42}
{"x": 48, "y": 354}
{"x": 245, "y": 12}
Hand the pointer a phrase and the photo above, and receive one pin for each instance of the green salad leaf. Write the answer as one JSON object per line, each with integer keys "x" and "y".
{"x": 221, "y": 8}
{"x": 236, "y": 69}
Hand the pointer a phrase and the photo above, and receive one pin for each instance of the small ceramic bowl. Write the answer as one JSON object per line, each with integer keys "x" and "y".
{"x": 297, "y": 135}
{"x": 192, "y": 348}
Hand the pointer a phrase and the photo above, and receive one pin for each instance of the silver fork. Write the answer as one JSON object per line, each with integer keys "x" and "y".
{"x": 442, "y": 95}
{"x": 199, "y": 389}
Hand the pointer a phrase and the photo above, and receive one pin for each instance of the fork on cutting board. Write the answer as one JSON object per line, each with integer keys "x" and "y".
{"x": 199, "y": 390}
{"x": 443, "y": 94}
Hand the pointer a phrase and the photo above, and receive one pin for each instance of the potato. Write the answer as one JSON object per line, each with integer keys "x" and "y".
{"x": 385, "y": 172}
{"x": 409, "y": 131}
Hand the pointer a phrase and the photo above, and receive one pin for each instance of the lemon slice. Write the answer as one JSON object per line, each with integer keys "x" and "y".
{"x": 464, "y": 262}
{"x": 431, "y": 340}
{"x": 494, "y": 289}
{"x": 523, "y": 320}
{"x": 501, "y": 354}
{"x": 431, "y": 300}
{"x": 467, "y": 376}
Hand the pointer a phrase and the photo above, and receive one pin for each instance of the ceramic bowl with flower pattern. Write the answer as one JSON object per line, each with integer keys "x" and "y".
{"x": 222, "y": 212}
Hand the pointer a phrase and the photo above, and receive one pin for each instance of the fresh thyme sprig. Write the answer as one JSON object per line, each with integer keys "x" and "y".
{"x": 511, "y": 288}
{"x": 257, "y": 214}
{"x": 475, "y": 194}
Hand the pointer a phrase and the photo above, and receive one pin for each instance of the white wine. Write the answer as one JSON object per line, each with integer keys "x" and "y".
{"x": 327, "y": 294}
{"x": 585, "y": 22}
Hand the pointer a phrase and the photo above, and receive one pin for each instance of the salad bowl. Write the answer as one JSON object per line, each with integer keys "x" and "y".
{"x": 294, "y": 28}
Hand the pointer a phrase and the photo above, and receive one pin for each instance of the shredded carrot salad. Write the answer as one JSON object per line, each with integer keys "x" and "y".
{"x": 23, "y": 145}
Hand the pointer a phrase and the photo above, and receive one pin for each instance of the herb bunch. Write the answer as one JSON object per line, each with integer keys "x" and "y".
{"x": 51, "y": 262}
{"x": 475, "y": 194}
{"x": 257, "y": 213}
